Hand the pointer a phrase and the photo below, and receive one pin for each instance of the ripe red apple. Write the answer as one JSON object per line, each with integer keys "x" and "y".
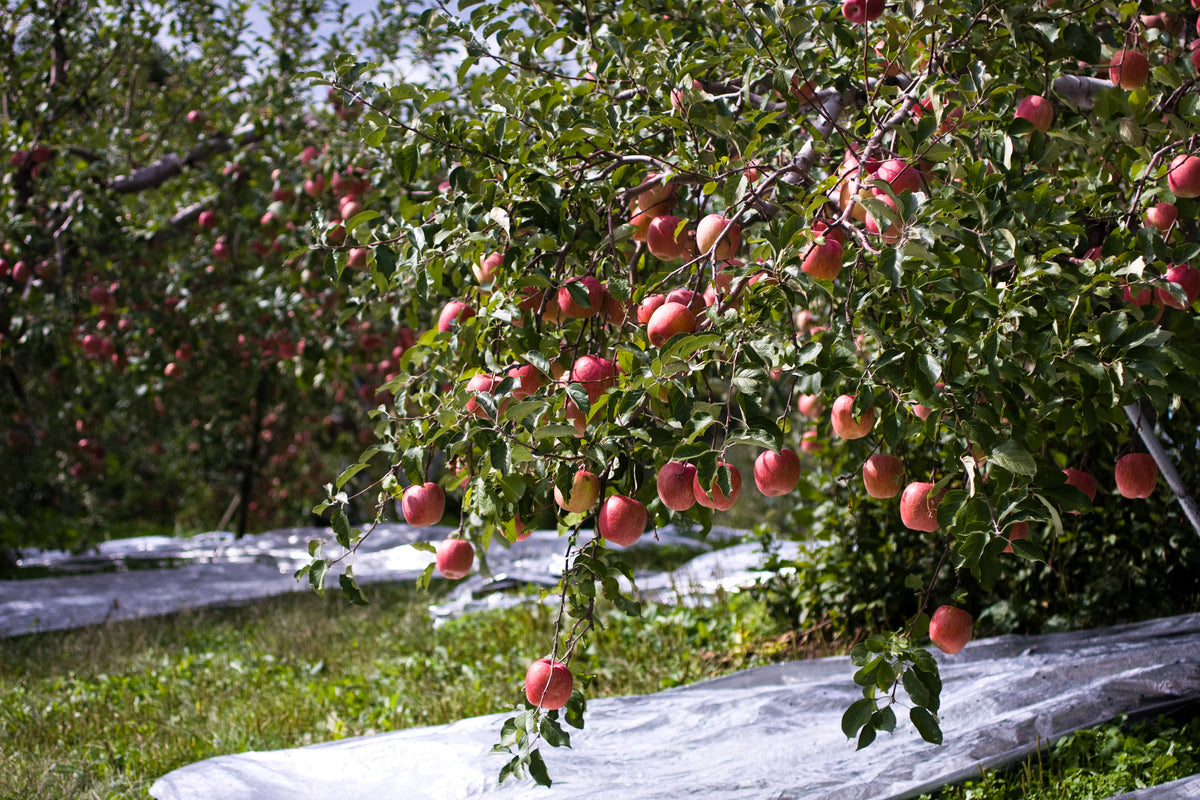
{"x": 1196, "y": 57}
{"x": 656, "y": 200}
{"x": 621, "y": 520}
{"x": 862, "y": 11}
{"x": 595, "y": 294}
{"x": 1136, "y": 475}
{"x": 172, "y": 370}
{"x": 1128, "y": 69}
{"x": 485, "y": 270}
{"x": 522, "y": 532}
{"x": 810, "y": 405}
{"x": 717, "y": 499}
{"x": 1183, "y": 176}
{"x": 455, "y": 558}
{"x": 195, "y": 117}
{"x": 883, "y": 227}
{"x": 899, "y": 175}
{"x": 481, "y": 383}
{"x": 92, "y": 344}
{"x": 529, "y": 380}
{"x": 585, "y": 488}
{"x": 1161, "y": 216}
{"x": 454, "y": 311}
{"x": 823, "y": 261}
{"x": 918, "y": 511}
{"x": 674, "y": 484}
{"x": 883, "y": 475}
{"x": 950, "y": 629}
{"x": 315, "y": 186}
{"x": 41, "y": 154}
{"x": 844, "y": 422}
{"x": 686, "y": 297}
{"x": 667, "y": 321}
{"x": 665, "y": 237}
{"x": 1019, "y": 530}
{"x": 548, "y": 684}
{"x": 1037, "y": 110}
{"x": 1188, "y": 278}
{"x": 1083, "y": 481}
{"x": 207, "y": 219}
{"x": 595, "y": 374}
{"x": 424, "y": 505}
{"x": 776, "y": 474}
{"x": 357, "y": 259}
{"x": 648, "y": 306}
{"x": 719, "y": 237}
{"x": 184, "y": 352}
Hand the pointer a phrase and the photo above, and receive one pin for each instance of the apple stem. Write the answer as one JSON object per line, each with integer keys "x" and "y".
{"x": 1165, "y": 465}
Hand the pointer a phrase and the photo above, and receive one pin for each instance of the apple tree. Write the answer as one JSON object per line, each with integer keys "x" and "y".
{"x": 921, "y": 271}
{"x": 163, "y": 357}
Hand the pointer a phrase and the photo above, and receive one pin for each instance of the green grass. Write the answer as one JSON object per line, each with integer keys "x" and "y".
{"x": 102, "y": 712}
{"x": 1100, "y": 762}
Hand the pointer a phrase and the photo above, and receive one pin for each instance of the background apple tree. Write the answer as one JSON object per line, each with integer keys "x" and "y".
{"x": 163, "y": 360}
{"x": 985, "y": 285}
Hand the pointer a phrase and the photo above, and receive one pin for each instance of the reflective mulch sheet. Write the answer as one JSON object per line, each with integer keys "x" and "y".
{"x": 766, "y": 733}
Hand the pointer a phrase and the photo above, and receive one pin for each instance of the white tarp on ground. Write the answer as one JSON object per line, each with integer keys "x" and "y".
{"x": 771, "y": 732}
{"x": 218, "y": 569}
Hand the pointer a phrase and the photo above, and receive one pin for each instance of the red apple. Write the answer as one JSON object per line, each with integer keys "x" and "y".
{"x": 207, "y": 219}
{"x": 718, "y": 236}
{"x": 595, "y": 295}
{"x": 686, "y": 297}
{"x": 648, "y": 306}
{"x": 717, "y": 499}
{"x": 357, "y": 259}
{"x": 1083, "y": 481}
{"x": 862, "y": 11}
{"x": 810, "y": 405}
{"x": 454, "y": 311}
{"x": 485, "y": 270}
{"x": 899, "y": 175}
{"x": 1136, "y": 475}
{"x": 423, "y": 506}
{"x": 918, "y": 511}
{"x": 883, "y": 227}
{"x": 1188, "y": 279}
{"x": 522, "y": 533}
{"x": 548, "y": 684}
{"x": 315, "y": 186}
{"x": 674, "y": 483}
{"x": 667, "y": 321}
{"x": 1019, "y": 530}
{"x": 455, "y": 558}
{"x": 595, "y": 374}
{"x": 776, "y": 474}
{"x": 1037, "y": 110}
{"x": 883, "y": 475}
{"x": 195, "y": 117}
{"x": 621, "y": 520}
{"x": 585, "y": 488}
{"x": 665, "y": 237}
{"x": 844, "y": 422}
{"x": 481, "y": 383}
{"x": 1128, "y": 69}
{"x": 950, "y": 629}
{"x": 823, "y": 261}
{"x": 656, "y": 200}
{"x": 1183, "y": 176}
{"x": 1161, "y": 216}
{"x": 529, "y": 380}
{"x": 172, "y": 370}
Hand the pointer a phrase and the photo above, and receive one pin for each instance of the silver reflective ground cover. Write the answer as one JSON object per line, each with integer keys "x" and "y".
{"x": 117, "y": 580}
{"x": 771, "y": 732}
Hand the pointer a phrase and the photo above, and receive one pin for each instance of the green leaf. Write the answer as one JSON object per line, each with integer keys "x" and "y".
{"x": 351, "y": 589}
{"x": 1030, "y": 551}
{"x": 537, "y": 768}
{"x": 926, "y": 725}
{"x": 856, "y": 716}
{"x": 867, "y": 737}
{"x": 554, "y": 735}
{"x": 1014, "y": 458}
{"x": 316, "y": 576}
{"x": 348, "y": 473}
{"x": 916, "y": 688}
